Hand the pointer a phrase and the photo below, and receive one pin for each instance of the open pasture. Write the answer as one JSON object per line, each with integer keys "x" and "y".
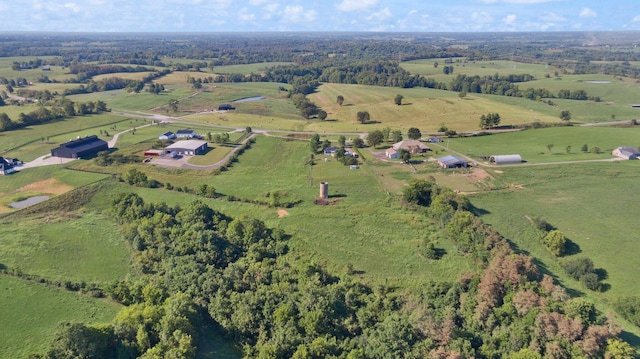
{"x": 26, "y": 143}
{"x": 256, "y": 68}
{"x": 123, "y": 75}
{"x": 588, "y": 202}
{"x": 143, "y": 101}
{"x": 426, "y": 109}
{"x": 532, "y": 144}
{"x": 85, "y": 248}
{"x": 31, "y": 312}
{"x": 471, "y": 68}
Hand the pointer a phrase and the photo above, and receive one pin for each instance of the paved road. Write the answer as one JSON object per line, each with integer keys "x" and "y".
{"x": 45, "y": 160}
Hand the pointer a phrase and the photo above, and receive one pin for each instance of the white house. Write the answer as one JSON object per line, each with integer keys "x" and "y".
{"x": 626, "y": 152}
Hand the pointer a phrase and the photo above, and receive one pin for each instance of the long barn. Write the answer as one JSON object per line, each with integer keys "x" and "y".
{"x": 502, "y": 159}
{"x": 81, "y": 147}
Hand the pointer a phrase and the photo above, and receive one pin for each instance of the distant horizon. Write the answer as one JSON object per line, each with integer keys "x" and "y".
{"x": 370, "y": 16}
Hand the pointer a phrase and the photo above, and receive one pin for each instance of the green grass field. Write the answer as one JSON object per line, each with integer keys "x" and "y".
{"x": 31, "y": 312}
{"x": 532, "y": 144}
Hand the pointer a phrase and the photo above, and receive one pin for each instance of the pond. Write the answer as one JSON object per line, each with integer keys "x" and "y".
{"x": 28, "y": 202}
{"x": 257, "y": 98}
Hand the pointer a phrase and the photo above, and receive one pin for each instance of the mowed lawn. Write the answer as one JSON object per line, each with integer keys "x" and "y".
{"x": 30, "y": 313}
{"x": 533, "y": 144}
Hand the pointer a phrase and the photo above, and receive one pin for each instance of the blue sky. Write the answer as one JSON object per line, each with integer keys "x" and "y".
{"x": 318, "y": 15}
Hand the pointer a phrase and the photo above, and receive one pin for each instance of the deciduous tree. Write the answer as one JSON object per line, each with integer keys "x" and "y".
{"x": 398, "y": 99}
{"x": 363, "y": 116}
{"x": 374, "y": 138}
{"x": 414, "y": 133}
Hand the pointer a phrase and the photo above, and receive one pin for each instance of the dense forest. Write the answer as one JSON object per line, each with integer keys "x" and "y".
{"x": 203, "y": 268}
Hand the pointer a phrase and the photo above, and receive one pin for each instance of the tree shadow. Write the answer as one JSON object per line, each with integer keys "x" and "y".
{"x": 630, "y": 338}
{"x": 407, "y": 104}
{"x": 478, "y": 212}
{"x": 602, "y": 273}
{"x": 571, "y": 248}
{"x": 3, "y": 267}
{"x": 337, "y": 195}
{"x": 371, "y": 122}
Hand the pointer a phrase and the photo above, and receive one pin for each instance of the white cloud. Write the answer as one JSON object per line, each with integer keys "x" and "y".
{"x": 245, "y": 16}
{"x": 510, "y": 19}
{"x": 353, "y": 5}
{"x": 516, "y": 1}
{"x": 481, "y": 17}
{"x": 298, "y": 14}
{"x": 586, "y": 12}
{"x": 380, "y": 16}
{"x": 552, "y": 17}
{"x": 258, "y": 2}
{"x": 73, "y": 7}
{"x": 636, "y": 19}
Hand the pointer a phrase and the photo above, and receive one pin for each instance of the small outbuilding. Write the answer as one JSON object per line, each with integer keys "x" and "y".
{"x": 451, "y": 162}
{"x": 188, "y": 147}
{"x": 82, "y": 147}
{"x": 167, "y": 136}
{"x": 186, "y": 133}
{"x": 6, "y": 167}
{"x": 152, "y": 153}
{"x": 391, "y": 153}
{"x": 413, "y": 146}
{"x": 226, "y": 107}
{"x": 434, "y": 139}
{"x": 626, "y": 152}
{"x": 502, "y": 159}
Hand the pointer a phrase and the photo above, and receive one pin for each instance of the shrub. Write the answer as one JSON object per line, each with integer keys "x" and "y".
{"x": 590, "y": 281}
{"x": 629, "y": 309}
{"x": 578, "y": 267}
{"x": 555, "y": 241}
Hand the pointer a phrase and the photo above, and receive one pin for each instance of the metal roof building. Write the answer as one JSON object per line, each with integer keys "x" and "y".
{"x": 501, "y": 159}
{"x": 189, "y": 147}
{"x": 451, "y": 162}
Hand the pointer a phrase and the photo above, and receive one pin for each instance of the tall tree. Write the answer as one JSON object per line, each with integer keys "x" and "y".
{"x": 565, "y": 115}
{"x": 374, "y": 138}
{"x": 414, "y": 133}
{"x": 396, "y": 136}
{"x": 314, "y": 142}
{"x": 322, "y": 115}
{"x": 363, "y": 116}
{"x": 340, "y": 100}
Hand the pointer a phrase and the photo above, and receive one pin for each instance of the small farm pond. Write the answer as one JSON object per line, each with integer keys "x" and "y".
{"x": 248, "y": 99}
{"x": 28, "y": 202}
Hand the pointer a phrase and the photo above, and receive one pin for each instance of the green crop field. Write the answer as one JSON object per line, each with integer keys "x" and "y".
{"x": 31, "y": 312}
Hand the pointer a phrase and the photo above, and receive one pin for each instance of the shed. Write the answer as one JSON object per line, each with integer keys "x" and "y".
{"x": 188, "y": 147}
{"x": 186, "y": 133}
{"x": 153, "y": 152}
{"x": 451, "y": 162}
{"x": 167, "y": 136}
{"x": 81, "y": 147}
{"x": 626, "y": 152}
{"x": 391, "y": 153}
{"x": 501, "y": 159}
{"x": 5, "y": 167}
{"x": 226, "y": 107}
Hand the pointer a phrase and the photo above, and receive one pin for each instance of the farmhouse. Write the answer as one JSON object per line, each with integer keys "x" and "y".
{"x": 626, "y": 152}
{"x": 391, "y": 153}
{"x": 330, "y": 151}
{"x": 501, "y": 159}
{"x": 6, "y": 167}
{"x": 186, "y": 134}
{"x": 189, "y": 147}
{"x": 81, "y": 147}
{"x": 451, "y": 162}
{"x": 167, "y": 136}
{"x": 225, "y": 107}
{"x": 413, "y": 146}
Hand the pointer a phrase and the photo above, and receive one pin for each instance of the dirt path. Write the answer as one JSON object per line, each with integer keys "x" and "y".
{"x": 112, "y": 142}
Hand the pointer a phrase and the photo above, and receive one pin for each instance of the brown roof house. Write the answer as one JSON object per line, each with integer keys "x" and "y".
{"x": 413, "y": 146}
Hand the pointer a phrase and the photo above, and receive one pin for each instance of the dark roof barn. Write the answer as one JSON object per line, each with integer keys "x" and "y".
{"x": 82, "y": 147}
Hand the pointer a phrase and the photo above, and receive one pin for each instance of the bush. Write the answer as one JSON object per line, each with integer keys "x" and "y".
{"x": 629, "y": 309}
{"x": 578, "y": 267}
{"x": 590, "y": 281}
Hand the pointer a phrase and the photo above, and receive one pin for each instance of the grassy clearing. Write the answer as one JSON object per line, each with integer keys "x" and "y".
{"x": 83, "y": 249}
{"x": 258, "y": 68}
{"x": 31, "y": 312}
{"x": 532, "y": 144}
{"x": 123, "y": 75}
{"x": 214, "y": 155}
